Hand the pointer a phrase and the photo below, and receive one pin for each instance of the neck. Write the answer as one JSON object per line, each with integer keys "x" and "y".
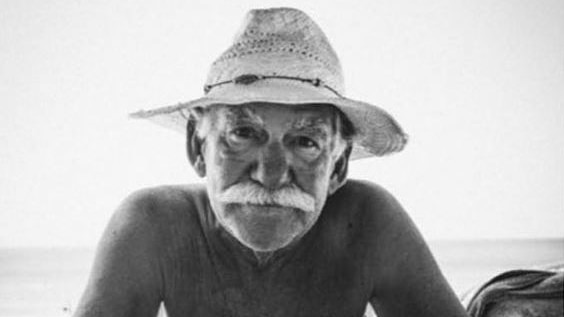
{"x": 263, "y": 257}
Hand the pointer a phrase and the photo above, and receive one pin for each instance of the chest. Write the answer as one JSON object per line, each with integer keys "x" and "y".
{"x": 314, "y": 282}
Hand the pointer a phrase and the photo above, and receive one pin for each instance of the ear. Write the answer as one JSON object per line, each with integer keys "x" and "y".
{"x": 194, "y": 144}
{"x": 339, "y": 176}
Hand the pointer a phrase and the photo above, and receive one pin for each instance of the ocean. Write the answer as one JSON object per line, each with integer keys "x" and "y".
{"x": 48, "y": 282}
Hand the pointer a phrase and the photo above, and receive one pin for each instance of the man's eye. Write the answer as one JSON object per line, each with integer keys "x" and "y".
{"x": 243, "y": 133}
{"x": 242, "y": 136}
{"x": 307, "y": 143}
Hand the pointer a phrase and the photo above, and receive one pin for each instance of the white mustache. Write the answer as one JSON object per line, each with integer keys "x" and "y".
{"x": 250, "y": 193}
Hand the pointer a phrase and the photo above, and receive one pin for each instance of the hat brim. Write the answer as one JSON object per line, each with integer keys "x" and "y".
{"x": 377, "y": 133}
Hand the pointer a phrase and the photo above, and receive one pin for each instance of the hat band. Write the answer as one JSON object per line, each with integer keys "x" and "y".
{"x": 251, "y": 78}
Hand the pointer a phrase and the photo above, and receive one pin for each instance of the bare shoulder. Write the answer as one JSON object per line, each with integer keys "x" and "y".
{"x": 383, "y": 217}
{"x": 370, "y": 217}
{"x": 387, "y": 229}
{"x": 126, "y": 278}
{"x": 375, "y": 206}
{"x": 151, "y": 218}
{"x": 406, "y": 279}
{"x": 143, "y": 220}
{"x": 158, "y": 205}
{"x": 165, "y": 197}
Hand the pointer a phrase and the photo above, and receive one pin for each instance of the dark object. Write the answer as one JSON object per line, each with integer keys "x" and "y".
{"x": 530, "y": 293}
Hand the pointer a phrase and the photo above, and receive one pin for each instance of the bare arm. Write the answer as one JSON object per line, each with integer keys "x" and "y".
{"x": 409, "y": 281}
{"x": 125, "y": 279}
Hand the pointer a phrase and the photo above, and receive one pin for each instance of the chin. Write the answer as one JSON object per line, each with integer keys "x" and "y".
{"x": 263, "y": 245}
{"x": 266, "y": 229}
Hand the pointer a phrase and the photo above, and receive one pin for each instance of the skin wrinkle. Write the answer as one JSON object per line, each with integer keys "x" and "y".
{"x": 317, "y": 128}
{"x": 277, "y": 153}
{"x": 325, "y": 131}
{"x": 323, "y": 128}
{"x": 241, "y": 114}
{"x": 316, "y": 125}
{"x": 238, "y": 114}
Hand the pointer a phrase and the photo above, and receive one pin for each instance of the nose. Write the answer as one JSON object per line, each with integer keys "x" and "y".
{"x": 271, "y": 168}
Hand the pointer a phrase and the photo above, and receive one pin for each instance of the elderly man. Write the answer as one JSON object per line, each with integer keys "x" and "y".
{"x": 278, "y": 230}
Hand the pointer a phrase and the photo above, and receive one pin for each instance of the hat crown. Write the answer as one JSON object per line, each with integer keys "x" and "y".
{"x": 279, "y": 42}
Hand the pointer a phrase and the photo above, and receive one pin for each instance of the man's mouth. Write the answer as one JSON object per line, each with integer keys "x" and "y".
{"x": 269, "y": 209}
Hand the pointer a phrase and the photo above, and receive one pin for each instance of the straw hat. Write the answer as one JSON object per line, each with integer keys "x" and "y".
{"x": 281, "y": 56}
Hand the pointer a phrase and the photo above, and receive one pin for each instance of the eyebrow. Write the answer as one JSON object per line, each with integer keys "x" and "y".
{"x": 316, "y": 126}
{"x": 242, "y": 114}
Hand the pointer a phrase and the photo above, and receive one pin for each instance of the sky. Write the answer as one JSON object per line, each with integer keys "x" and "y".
{"x": 478, "y": 86}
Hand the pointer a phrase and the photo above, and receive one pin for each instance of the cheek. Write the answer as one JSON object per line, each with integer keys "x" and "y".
{"x": 314, "y": 176}
{"x": 226, "y": 167}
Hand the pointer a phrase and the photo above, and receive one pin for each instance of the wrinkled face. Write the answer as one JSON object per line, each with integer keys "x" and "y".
{"x": 269, "y": 168}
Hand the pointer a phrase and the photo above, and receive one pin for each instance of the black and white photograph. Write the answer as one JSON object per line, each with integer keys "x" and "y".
{"x": 281, "y": 158}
